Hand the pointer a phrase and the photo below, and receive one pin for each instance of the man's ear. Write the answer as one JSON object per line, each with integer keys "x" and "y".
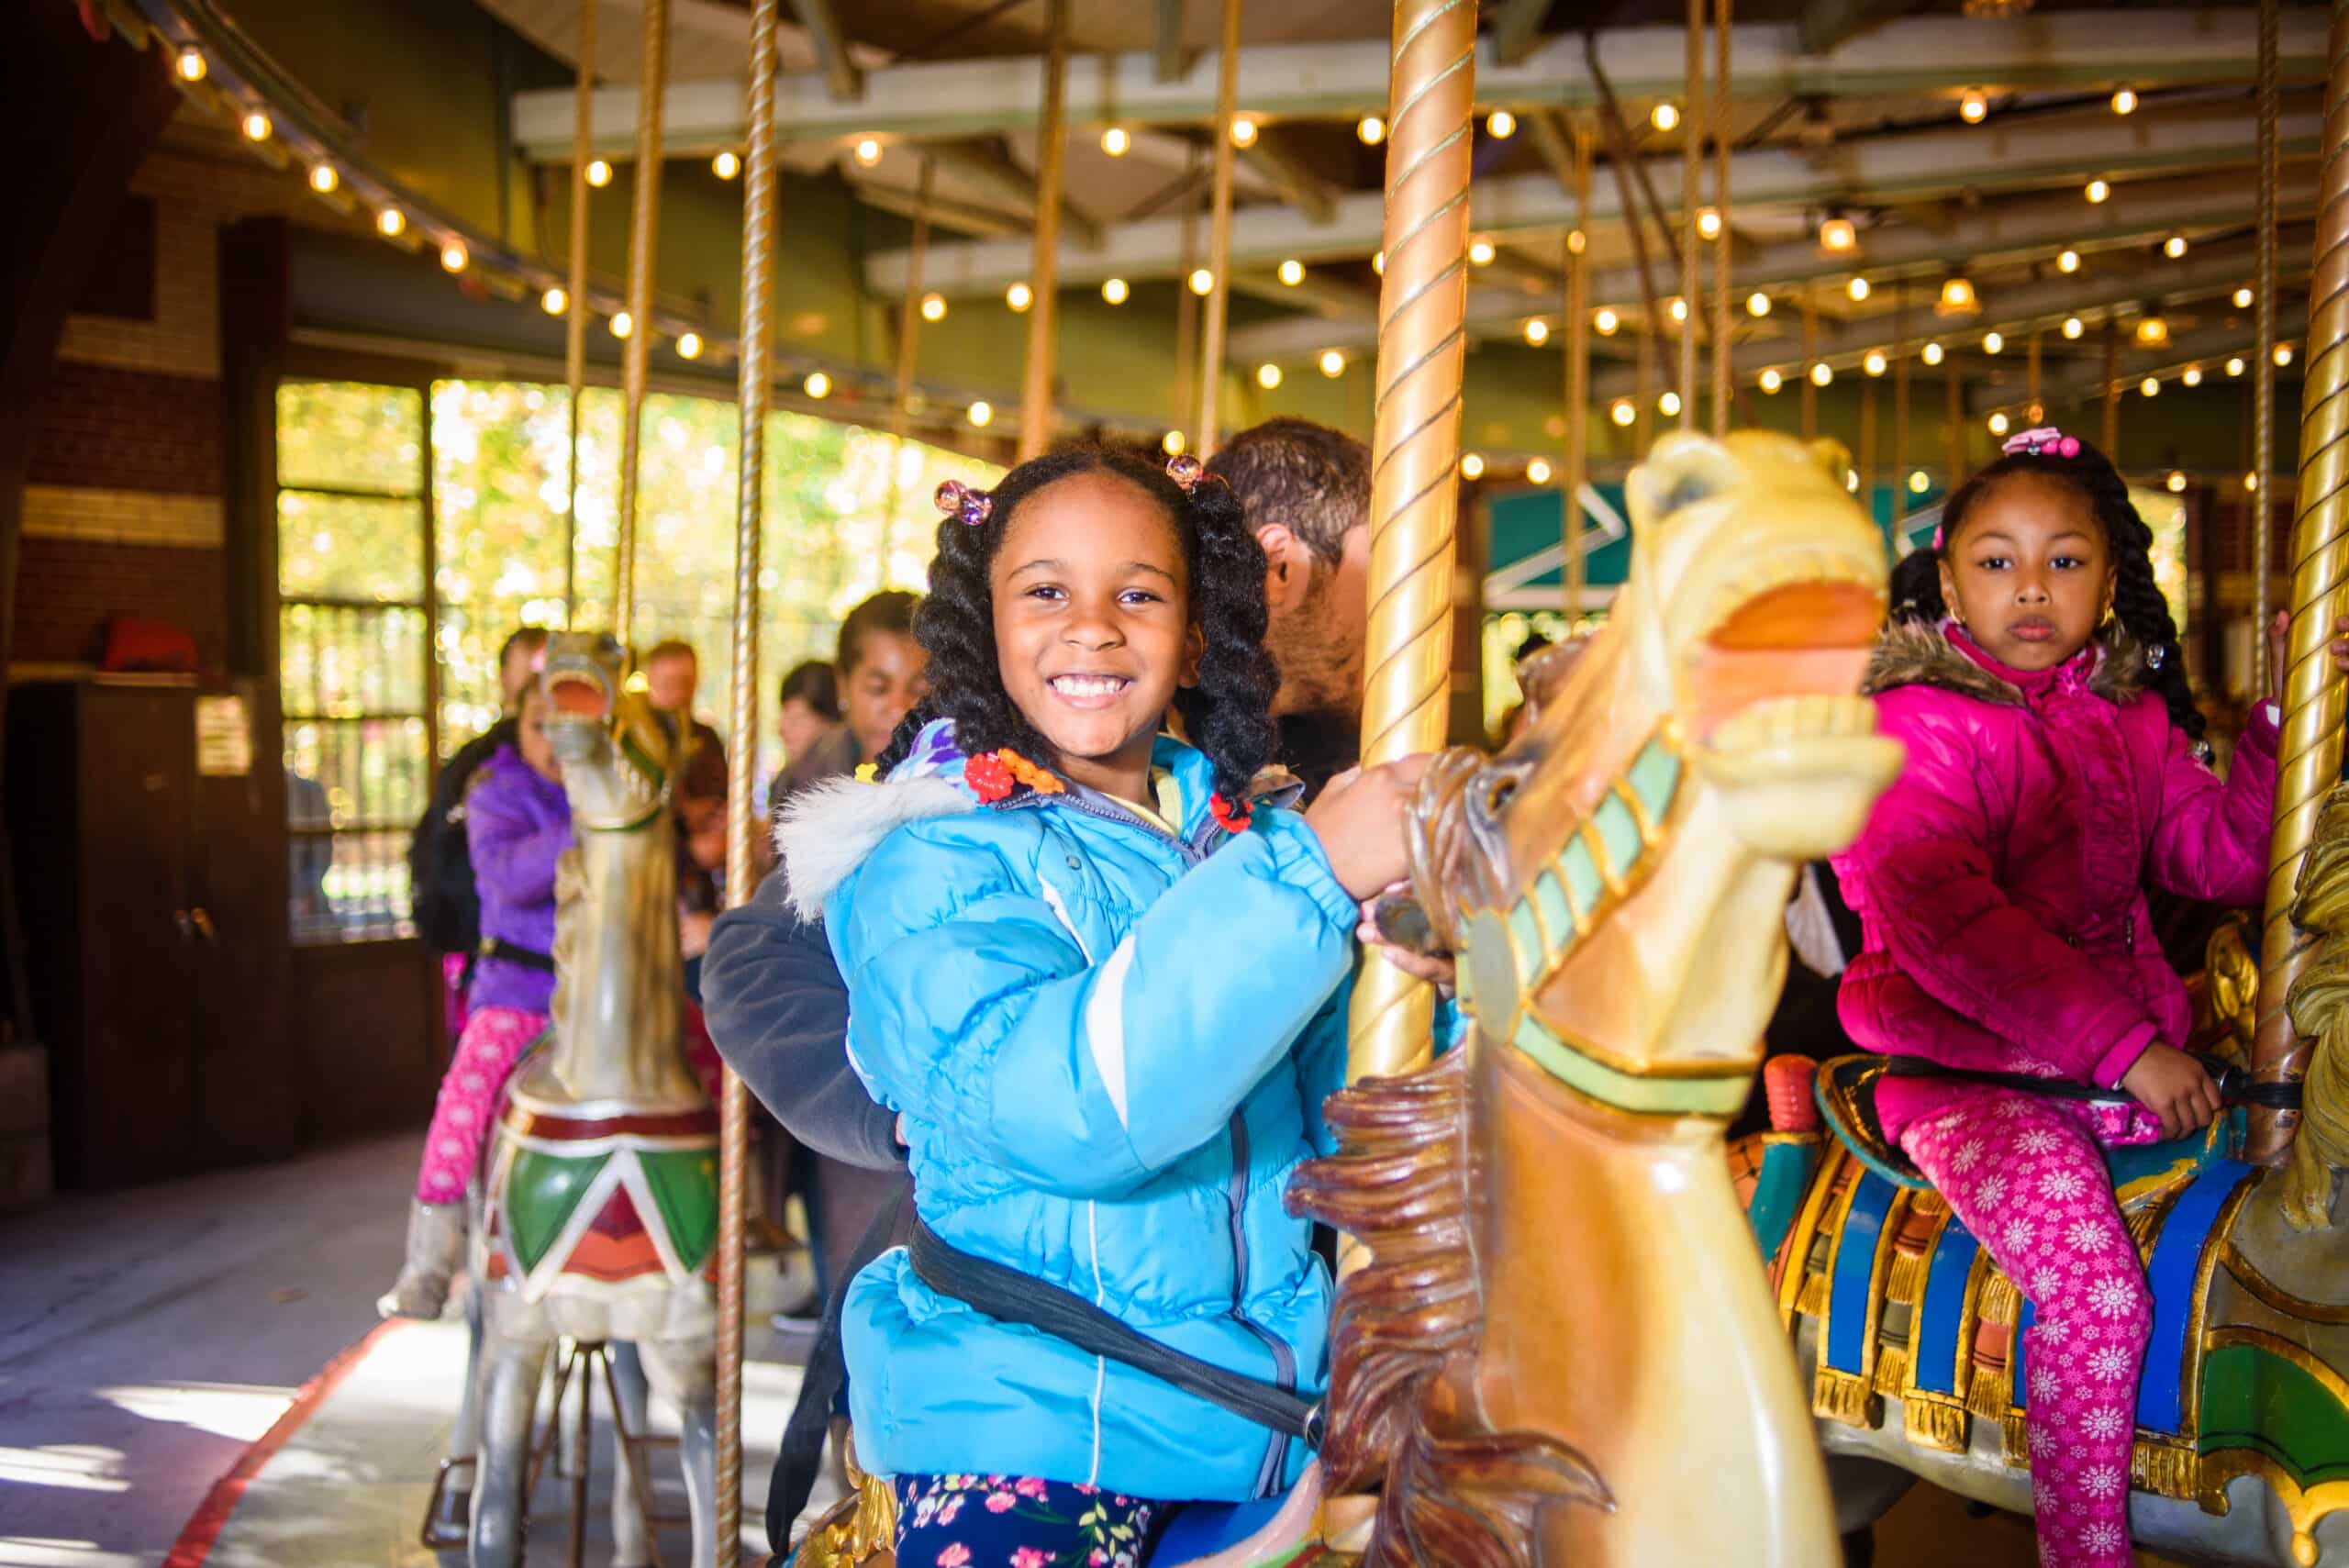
{"x": 1289, "y": 568}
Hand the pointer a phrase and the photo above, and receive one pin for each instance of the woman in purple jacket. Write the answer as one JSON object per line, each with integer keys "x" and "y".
{"x": 517, "y": 824}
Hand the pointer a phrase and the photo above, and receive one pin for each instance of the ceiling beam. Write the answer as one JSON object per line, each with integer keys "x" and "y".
{"x": 1985, "y": 160}
{"x": 841, "y": 78}
{"x": 1517, "y": 27}
{"x": 1330, "y": 298}
{"x": 970, "y": 217}
{"x": 2137, "y": 213}
{"x": 1294, "y": 177}
{"x": 995, "y": 173}
{"x": 2208, "y": 349}
{"x": 1167, "y": 55}
{"x": 1827, "y": 23}
{"x": 1343, "y": 81}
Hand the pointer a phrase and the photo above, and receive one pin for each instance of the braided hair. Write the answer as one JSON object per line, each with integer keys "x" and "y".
{"x": 1227, "y": 714}
{"x": 2137, "y": 600}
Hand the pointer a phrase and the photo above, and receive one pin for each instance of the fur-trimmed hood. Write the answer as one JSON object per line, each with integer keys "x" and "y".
{"x": 1918, "y": 653}
{"x": 827, "y": 829}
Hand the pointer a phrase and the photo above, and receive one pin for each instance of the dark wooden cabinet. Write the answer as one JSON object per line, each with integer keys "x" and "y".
{"x": 154, "y": 895}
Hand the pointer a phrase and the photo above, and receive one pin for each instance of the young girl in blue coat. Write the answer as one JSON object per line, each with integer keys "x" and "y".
{"x": 1104, "y": 989}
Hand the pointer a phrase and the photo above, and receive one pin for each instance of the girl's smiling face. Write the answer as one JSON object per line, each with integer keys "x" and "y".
{"x": 2029, "y": 573}
{"x": 1092, "y": 627}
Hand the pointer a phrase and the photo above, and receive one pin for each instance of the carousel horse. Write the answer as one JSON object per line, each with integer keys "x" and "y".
{"x": 597, "y": 1216}
{"x": 1562, "y": 1350}
{"x": 1910, "y": 1340}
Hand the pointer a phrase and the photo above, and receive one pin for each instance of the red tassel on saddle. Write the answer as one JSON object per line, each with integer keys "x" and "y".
{"x": 1785, "y": 1082}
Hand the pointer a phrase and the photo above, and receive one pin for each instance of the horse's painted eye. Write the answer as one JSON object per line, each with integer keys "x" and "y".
{"x": 1498, "y": 794}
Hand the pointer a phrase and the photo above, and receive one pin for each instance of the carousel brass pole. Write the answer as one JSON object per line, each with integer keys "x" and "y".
{"x": 2031, "y": 379}
{"x": 1899, "y": 401}
{"x": 1187, "y": 304}
{"x": 1954, "y": 431}
{"x": 1227, "y": 99}
{"x": 743, "y": 687}
{"x": 1720, "y": 123}
{"x": 1036, "y": 390}
{"x": 2262, "y": 365}
{"x": 2309, "y": 761}
{"x": 644, "y": 221}
{"x": 2110, "y": 434}
{"x": 1415, "y": 452}
{"x": 1809, "y": 360}
{"x": 1865, "y": 464}
{"x": 574, "y": 325}
{"x": 1692, "y": 171}
{"x": 1577, "y": 574}
{"x": 909, "y": 313}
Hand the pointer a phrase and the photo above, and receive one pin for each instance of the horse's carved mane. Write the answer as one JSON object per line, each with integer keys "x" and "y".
{"x": 1405, "y": 1333}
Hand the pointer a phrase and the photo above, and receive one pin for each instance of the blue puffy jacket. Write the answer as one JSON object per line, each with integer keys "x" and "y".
{"x": 1110, "y": 1046}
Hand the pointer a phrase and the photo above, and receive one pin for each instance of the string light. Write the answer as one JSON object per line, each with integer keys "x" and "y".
{"x": 2177, "y": 483}
{"x": 1930, "y": 353}
{"x": 2191, "y": 375}
{"x": 1973, "y": 108}
{"x": 191, "y": 65}
{"x": 1858, "y": 288}
{"x": 1918, "y": 482}
{"x": 391, "y": 223}
{"x": 2235, "y": 366}
{"x": 1114, "y": 290}
{"x": 1993, "y": 341}
{"x": 1378, "y": 262}
{"x": 257, "y": 127}
{"x": 1472, "y": 466}
{"x": 1838, "y": 235}
{"x": 933, "y": 308}
{"x": 1333, "y": 363}
{"x": 818, "y": 385}
{"x": 1577, "y": 241}
{"x": 1621, "y": 412}
{"x": 1957, "y": 298}
{"x": 1537, "y": 331}
{"x": 1998, "y": 424}
{"x": 1481, "y": 252}
{"x": 1873, "y": 364}
{"x": 453, "y": 257}
{"x": 982, "y": 414}
{"x": 2099, "y": 190}
{"x": 1709, "y": 223}
{"x": 599, "y": 173}
{"x": 1852, "y": 479}
{"x": 2153, "y": 331}
{"x": 1679, "y": 309}
{"x": 2074, "y": 327}
{"x": 689, "y": 345}
{"x": 727, "y": 164}
{"x": 1770, "y": 381}
{"x": 1757, "y": 304}
{"x": 1538, "y": 471}
{"x": 1019, "y": 296}
{"x": 622, "y": 323}
{"x": 1371, "y": 130}
{"x": 1114, "y": 141}
{"x": 2124, "y": 102}
{"x": 1243, "y": 131}
{"x": 1605, "y": 322}
{"x": 324, "y": 179}
{"x": 1501, "y": 123}
{"x": 2283, "y": 355}
{"x": 2174, "y": 246}
{"x": 1172, "y": 443}
{"x": 1822, "y": 373}
{"x": 1202, "y": 282}
{"x": 554, "y": 302}
{"x": 868, "y": 151}
{"x": 1669, "y": 403}
{"x": 2251, "y": 480}
{"x": 2069, "y": 261}
{"x": 1268, "y": 375}
{"x": 1292, "y": 272}
{"x": 2151, "y": 387}
{"x": 1664, "y": 115}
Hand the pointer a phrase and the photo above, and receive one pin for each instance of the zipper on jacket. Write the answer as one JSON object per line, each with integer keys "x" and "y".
{"x": 1093, "y": 803}
{"x": 1275, "y": 1464}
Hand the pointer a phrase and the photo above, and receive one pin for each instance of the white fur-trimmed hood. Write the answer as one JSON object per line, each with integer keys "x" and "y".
{"x": 828, "y": 829}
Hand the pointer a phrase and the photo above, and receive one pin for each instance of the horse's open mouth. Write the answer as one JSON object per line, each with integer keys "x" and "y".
{"x": 1775, "y": 683}
{"x": 577, "y": 696}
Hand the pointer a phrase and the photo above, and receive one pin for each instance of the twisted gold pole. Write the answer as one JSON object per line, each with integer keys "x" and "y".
{"x": 1722, "y": 112}
{"x": 574, "y": 325}
{"x": 741, "y": 706}
{"x": 2263, "y": 389}
{"x": 1212, "y": 332}
{"x": 1043, "y": 314}
{"x": 1692, "y": 169}
{"x": 2309, "y": 762}
{"x": 643, "y": 230}
{"x": 1414, "y": 445}
{"x": 1577, "y": 466}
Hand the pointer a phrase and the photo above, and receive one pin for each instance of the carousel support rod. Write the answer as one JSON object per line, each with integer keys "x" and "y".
{"x": 822, "y": 23}
{"x": 1865, "y": 464}
{"x": 1577, "y": 301}
{"x": 1186, "y": 310}
{"x": 1953, "y": 428}
{"x": 2033, "y": 387}
{"x": 1044, "y": 314}
{"x": 909, "y": 310}
{"x": 1722, "y": 126}
{"x": 1415, "y": 448}
{"x": 643, "y": 227}
{"x": 752, "y": 391}
{"x": 1167, "y": 62}
{"x": 575, "y": 316}
{"x": 1218, "y": 300}
{"x": 2309, "y": 759}
{"x": 1643, "y": 394}
{"x": 1692, "y": 174}
{"x": 2109, "y": 435}
{"x": 2262, "y": 389}
{"x": 1810, "y": 352}
{"x": 1899, "y": 401}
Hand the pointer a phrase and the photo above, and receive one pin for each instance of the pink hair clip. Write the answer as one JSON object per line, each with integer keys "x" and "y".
{"x": 2045, "y": 441}
{"x": 965, "y": 504}
{"x": 1937, "y": 537}
{"x": 1185, "y": 470}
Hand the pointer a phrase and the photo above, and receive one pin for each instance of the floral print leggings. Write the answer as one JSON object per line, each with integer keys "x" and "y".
{"x": 2025, "y": 1176}
{"x": 1003, "y": 1521}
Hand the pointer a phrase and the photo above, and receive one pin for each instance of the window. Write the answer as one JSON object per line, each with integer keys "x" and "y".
{"x": 355, "y": 670}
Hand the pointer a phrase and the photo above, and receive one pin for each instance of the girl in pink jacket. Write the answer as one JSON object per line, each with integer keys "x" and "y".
{"x": 2056, "y": 764}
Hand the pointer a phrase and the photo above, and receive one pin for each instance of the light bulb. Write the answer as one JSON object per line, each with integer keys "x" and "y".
{"x": 1114, "y": 141}
{"x": 1268, "y": 375}
{"x": 1537, "y": 331}
{"x": 1472, "y": 466}
{"x": 1709, "y": 223}
{"x": 1019, "y": 296}
{"x": 816, "y": 385}
{"x": 1993, "y": 341}
{"x": 2177, "y": 483}
{"x": 554, "y": 302}
{"x": 1243, "y": 131}
{"x": 2251, "y": 480}
{"x": 1605, "y": 322}
{"x": 1669, "y": 403}
{"x": 1665, "y": 117}
{"x": 2243, "y": 296}
{"x": 2074, "y": 327}
{"x": 1957, "y": 298}
{"x": 2174, "y": 246}
{"x": 1679, "y": 309}
{"x": 2234, "y": 366}
{"x": 1172, "y": 443}
{"x": 1292, "y": 272}
{"x": 2152, "y": 331}
{"x": 727, "y": 164}
{"x": 1622, "y": 413}
{"x": 257, "y": 127}
{"x": 1757, "y": 304}
{"x": 2151, "y": 387}
{"x": 1481, "y": 252}
{"x": 2282, "y": 355}
{"x": 1930, "y": 353}
{"x": 1873, "y": 364}
{"x": 1202, "y": 282}
{"x": 191, "y": 65}
{"x": 391, "y": 223}
{"x": 453, "y": 257}
{"x": 868, "y": 150}
{"x": 1838, "y": 235}
{"x": 599, "y": 173}
{"x": 1973, "y": 107}
{"x": 1918, "y": 482}
{"x": 2191, "y": 375}
{"x": 2124, "y": 102}
{"x": 1333, "y": 363}
{"x": 689, "y": 345}
{"x": 1858, "y": 288}
{"x": 2069, "y": 261}
{"x": 1538, "y": 472}
{"x": 981, "y": 413}
{"x": 2099, "y": 190}
{"x": 1577, "y": 241}
{"x": 1821, "y": 373}
{"x": 1998, "y": 422}
{"x": 324, "y": 180}
{"x": 1378, "y": 262}
{"x": 1371, "y": 130}
{"x": 1770, "y": 381}
{"x": 933, "y": 308}
{"x": 622, "y": 323}
{"x": 1852, "y": 479}
{"x": 1501, "y": 123}
{"x": 1114, "y": 290}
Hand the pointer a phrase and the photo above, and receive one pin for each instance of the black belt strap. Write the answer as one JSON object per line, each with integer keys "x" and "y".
{"x": 1013, "y": 1295}
{"x": 2235, "y": 1087}
{"x": 529, "y": 958}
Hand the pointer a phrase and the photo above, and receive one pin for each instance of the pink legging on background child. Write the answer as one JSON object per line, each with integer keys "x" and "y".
{"x": 2026, "y": 1176}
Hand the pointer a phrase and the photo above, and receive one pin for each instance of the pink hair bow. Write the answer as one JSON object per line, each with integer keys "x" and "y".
{"x": 2045, "y": 441}
{"x": 964, "y": 503}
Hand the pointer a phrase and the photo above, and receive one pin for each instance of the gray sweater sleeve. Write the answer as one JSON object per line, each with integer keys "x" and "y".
{"x": 777, "y": 1009}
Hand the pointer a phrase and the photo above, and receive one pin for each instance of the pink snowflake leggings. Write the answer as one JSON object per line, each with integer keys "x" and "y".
{"x": 2027, "y": 1178}
{"x": 494, "y": 1036}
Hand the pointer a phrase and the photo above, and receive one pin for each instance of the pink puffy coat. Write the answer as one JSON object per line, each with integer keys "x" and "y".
{"x": 2000, "y": 882}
